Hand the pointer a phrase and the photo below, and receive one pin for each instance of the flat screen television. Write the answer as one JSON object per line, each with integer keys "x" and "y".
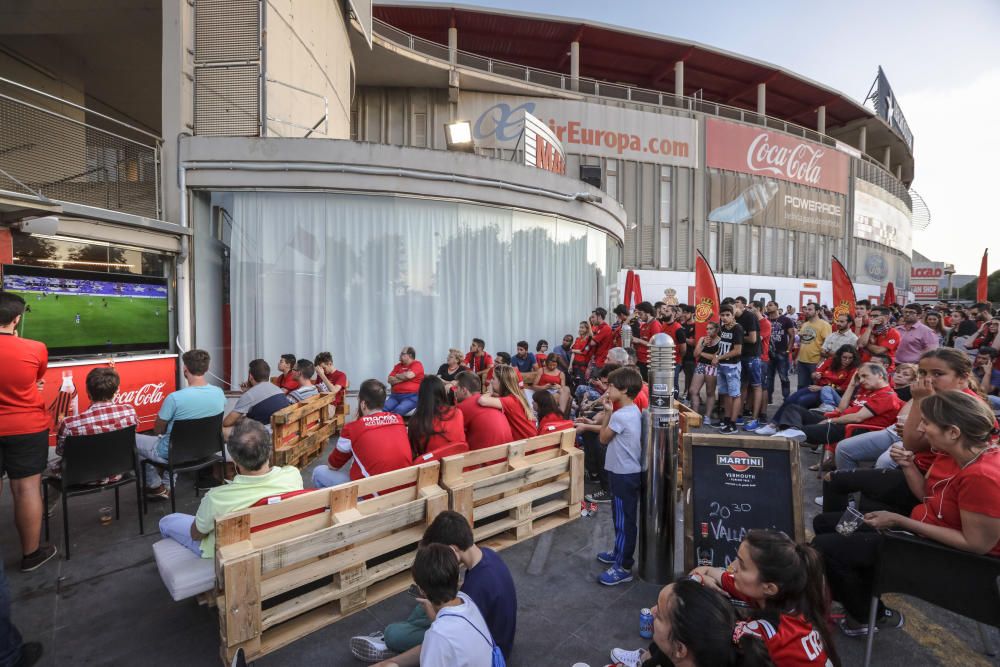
{"x": 85, "y": 312}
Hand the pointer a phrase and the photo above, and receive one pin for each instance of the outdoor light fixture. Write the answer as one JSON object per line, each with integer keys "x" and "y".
{"x": 458, "y": 136}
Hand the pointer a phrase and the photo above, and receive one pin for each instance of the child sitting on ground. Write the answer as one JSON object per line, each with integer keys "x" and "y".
{"x": 621, "y": 431}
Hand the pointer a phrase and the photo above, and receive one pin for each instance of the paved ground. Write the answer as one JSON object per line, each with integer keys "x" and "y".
{"x": 107, "y": 605}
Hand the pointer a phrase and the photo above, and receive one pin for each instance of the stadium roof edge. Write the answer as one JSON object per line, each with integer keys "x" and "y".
{"x": 419, "y": 18}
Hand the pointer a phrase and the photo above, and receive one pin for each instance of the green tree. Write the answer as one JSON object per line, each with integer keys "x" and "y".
{"x": 992, "y": 288}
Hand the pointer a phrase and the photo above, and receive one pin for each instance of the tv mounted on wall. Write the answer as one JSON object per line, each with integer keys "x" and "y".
{"x": 85, "y": 312}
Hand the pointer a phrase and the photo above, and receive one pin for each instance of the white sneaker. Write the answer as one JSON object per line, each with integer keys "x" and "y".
{"x": 626, "y": 657}
{"x": 766, "y": 429}
{"x": 826, "y": 407}
{"x": 792, "y": 434}
{"x": 370, "y": 648}
{"x": 818, "y": 500}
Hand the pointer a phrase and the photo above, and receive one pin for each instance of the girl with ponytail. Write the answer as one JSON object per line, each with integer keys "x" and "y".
{"x": 694, "y": 626}
{"x": 784, "y": 586}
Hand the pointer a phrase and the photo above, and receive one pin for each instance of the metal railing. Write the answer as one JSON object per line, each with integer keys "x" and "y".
{"x": 60, "y": 150}
{"x": 621, "y": 92}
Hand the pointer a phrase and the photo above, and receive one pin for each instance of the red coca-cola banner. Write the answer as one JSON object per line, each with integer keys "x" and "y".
{"x": 144, "y": 384}
{"x": 765, "y": 152}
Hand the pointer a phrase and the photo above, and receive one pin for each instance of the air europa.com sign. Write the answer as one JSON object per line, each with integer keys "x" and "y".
{"x": 585, "y": 128}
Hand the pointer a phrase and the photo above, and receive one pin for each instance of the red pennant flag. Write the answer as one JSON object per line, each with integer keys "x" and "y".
{"x": 706, "y": 296}
{"x": 843, "y": 291}
{"x": 890, "y": 294}
{"x": 982, "y": 283}
{"x": 629, "y": 282}
{"x": 636, "y": 290}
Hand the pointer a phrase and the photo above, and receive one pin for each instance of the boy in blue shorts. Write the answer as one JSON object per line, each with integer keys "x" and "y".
{"x": 621, "y": 431}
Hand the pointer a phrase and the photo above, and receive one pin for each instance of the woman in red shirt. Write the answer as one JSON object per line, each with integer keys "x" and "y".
{"x": 436, "y": 425}
{"x": 582, "y": 353}
{"x": 552, "y": 380}
{"x": 960, "y": 507}
{"x": 550, "y": 417}
{"x": 783, "y": 584}
{"x": 506, "y": 396}
{"x": 830, "y": 380}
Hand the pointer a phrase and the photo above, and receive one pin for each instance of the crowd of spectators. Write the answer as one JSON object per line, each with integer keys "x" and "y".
{"x": 900, "y": 401}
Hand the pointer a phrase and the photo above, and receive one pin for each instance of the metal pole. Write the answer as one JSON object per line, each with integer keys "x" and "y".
{"x": 658, "y": 502}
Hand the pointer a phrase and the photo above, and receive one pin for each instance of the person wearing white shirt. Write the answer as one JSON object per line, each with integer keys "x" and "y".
{"x": 458, "y": 636}
{"x": 841, "y": 335}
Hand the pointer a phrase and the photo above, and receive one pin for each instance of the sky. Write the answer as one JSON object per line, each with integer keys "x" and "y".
{"x": 942, "y": 60}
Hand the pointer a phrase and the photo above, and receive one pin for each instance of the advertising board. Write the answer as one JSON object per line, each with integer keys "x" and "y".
{"x": 882, "y": 218}
{"x": 925, "y": 280}
{"x": 145, "y": 383}
{"x": 584, "y": 128}
{"x": 742, "y": 198}
{"x": 541, "y": 147}
{"x": 761, "y": 151}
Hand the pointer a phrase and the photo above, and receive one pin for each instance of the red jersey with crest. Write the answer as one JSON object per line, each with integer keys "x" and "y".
{"x": 646, "y": 332}
{"x": 889, "y": 340}
{"x": 793, "y": 642}
{"x": 601, "y": 343}
{"x": 378, "y": 443}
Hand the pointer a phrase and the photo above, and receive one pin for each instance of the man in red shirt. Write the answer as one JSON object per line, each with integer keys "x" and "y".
{"x": 649, "y": 326}
{"x": 879, "y": 337}
{"x": 24, "y": 429}
{"x": 376, "y": 441}
{"x": 484, "y": 427}
{"x": 404, "y": 379}
{"x": 286, "y": 366}
{"x": 330, "y": 379}
{"x": 600, "y": 336}
{"x": 478, "y": 359}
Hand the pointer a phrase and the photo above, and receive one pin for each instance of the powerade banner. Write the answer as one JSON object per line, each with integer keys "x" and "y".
{"x": 741, "y": 198}
{"x": 584, "y": 128}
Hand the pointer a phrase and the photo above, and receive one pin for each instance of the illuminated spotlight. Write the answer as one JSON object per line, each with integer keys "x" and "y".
{"x": 458, "y": 136}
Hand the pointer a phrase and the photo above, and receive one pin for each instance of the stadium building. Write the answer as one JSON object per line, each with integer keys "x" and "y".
{"x": 294, "y": 171}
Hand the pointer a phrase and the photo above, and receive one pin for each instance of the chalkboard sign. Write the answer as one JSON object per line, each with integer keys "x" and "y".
{"x": 735, "y": 484}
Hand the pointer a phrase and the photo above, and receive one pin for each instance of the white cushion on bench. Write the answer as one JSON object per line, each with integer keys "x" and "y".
{"x": 184, "y": 574}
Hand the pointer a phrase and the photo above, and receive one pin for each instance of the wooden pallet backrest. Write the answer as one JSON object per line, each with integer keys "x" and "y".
{"x": 271, "y": 571}
{"x": 483, "y": 463}
{"x": 300, "y": 419}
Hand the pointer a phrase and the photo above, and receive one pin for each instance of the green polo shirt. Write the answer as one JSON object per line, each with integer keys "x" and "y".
{"x": 240, "y": 494}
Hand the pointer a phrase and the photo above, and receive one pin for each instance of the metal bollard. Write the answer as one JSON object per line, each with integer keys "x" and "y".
{"x": 658, "y": 503}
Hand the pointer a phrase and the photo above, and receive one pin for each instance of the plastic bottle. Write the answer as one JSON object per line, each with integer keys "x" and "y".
{"x": 747, "y": 204}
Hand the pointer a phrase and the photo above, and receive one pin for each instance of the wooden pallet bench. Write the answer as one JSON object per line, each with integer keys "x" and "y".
{"x": 515, "y": 491}
{"x": 300, "y": 431}
{"x": 288, "y": 569}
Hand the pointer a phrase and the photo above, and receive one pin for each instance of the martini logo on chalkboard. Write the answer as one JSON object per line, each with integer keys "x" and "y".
{"x": 739, "y": 461}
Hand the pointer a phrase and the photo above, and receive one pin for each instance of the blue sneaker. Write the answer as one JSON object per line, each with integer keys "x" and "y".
{"x": 606, "y": 557}
{"x": 614, "y": 576}
{"x": 740, "y": 420}
{"x": 752, "y": 425}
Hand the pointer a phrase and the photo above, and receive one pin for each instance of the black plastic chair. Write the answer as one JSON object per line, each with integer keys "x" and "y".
{"x": 968, "y": 585}
{"x": 194, "y": 444}
{"x": 88, "y": 459}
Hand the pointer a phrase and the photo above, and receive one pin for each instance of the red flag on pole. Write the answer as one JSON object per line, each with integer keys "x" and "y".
{"x": 890, "y": 294}
{"x": 629, "y": 281}
{"x": 982, "y": 283}
{"x": 843, "y": 291}
{"x": 706, "y": 296}
{"x": 636, "y": 290}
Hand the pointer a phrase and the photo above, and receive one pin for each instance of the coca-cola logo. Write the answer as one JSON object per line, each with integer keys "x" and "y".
{"x": 150, "y": 393}
{"x": 800, "y": 163}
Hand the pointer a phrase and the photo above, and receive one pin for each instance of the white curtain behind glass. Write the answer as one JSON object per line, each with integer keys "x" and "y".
{"x": 362, "y": 276}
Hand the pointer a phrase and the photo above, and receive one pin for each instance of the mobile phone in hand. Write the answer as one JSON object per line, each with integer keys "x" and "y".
{"x": 414, "y": 591}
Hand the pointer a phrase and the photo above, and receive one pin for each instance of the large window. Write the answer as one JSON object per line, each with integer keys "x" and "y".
{"x": 363, "y": 276}
{"x": 61, "y": 252}
{"x": 666, "y": 252}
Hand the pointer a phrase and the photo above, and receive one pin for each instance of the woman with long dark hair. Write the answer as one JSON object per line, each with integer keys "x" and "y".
{"x": 694, "y": 626}
{"x": 960, "y": 504}
{"x": 436, "y": 424}
{"x": 784, "y": 585}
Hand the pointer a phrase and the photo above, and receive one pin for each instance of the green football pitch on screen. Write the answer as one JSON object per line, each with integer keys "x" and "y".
{"x": 114, "y": 320}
